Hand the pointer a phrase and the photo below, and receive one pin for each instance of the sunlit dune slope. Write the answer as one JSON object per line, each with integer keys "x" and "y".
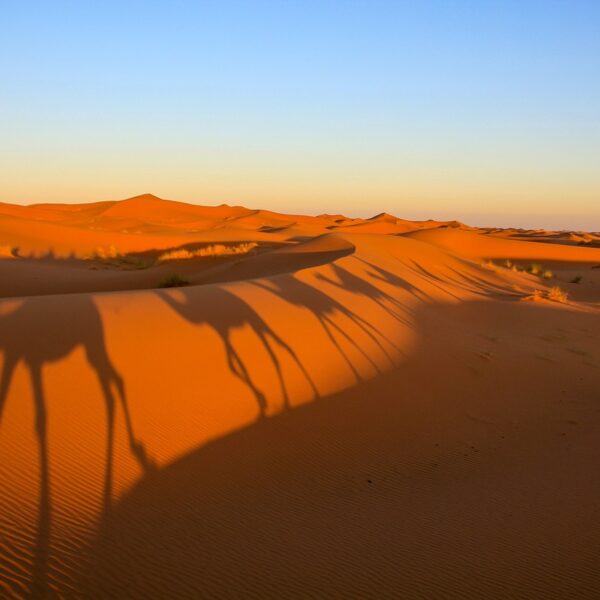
{"x": 481, "y": 246}
{"x": 332, "y": 412}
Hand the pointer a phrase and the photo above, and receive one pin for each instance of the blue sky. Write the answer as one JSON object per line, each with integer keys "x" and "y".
{"x": 485, "y": 111}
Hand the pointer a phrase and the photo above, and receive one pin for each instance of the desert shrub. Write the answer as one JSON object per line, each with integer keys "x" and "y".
{"x": 557, "y": 295}
{"x": 508, "y": 264}
{"x": 110, "y": 252}
{"x": 174, "y": 280}
{"x": 211, "y": 250}
{"x": 547, "y": 274}
{"x": 535, "y": 296}
{"x": 535, "y": 269}
{"x": 175, "y": 255}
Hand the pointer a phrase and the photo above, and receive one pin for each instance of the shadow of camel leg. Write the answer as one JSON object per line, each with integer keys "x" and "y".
{"x": 277, "y": 365}
{"x": 353, "y": 343}
{"x": 137, "y": 448}
{"x": 372, "y": 332}
{"x": 39, "y": 580}
{"x": 279, "y": 341}
{"x": 7, "y": 372}
{"x": 110, "y": 430}
{"x": 238, "y": 368}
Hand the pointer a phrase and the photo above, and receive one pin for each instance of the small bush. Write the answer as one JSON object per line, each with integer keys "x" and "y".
{"x": 110, "y": 252}
{"x": 576, "y": 279}
{"x": 508, "y": 264}
{"x": 535, "y": 269}
{"x": 175, "y": 255}
{"x": 557, "y": 295}
{"x": 173, "y": 281}
{"x": 547, "y": 274}
{"x": 536, "y": 296}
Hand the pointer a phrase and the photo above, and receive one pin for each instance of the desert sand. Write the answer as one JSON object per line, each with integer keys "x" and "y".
{"x": 325, "y": 407}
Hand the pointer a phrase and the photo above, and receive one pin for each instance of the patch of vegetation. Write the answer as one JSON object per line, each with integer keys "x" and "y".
{"x": 535, "y": 296}
{"x": 535, "y": 269}
{"x": 556, "y": 294}
{"x": 211, "y": 250}
{"x": 102, "y": 252}
{"x": 174, "y": 280}
{"x": 547, "y": 274}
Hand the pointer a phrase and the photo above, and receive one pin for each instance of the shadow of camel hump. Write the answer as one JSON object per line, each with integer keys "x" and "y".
{"x": 57, "y": 333}
{"x": 224, "y": 311}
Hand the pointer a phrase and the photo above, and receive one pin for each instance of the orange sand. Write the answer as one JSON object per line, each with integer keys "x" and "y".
{"x": 353, "y": 408}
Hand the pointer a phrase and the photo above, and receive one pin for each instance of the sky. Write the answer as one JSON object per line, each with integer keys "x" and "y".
{"x": 485, "y": 111}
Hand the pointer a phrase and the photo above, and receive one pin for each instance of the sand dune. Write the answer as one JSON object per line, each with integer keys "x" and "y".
{"x": 473, "y": 244}
{"x": 356, "y": 407}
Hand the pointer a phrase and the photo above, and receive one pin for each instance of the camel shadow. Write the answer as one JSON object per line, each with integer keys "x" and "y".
{"x": 226, "y": 312}
{"x": 357, "y": 285}
{"x": 389, "y": 278}
{"x": 54, "y": 340}
{"x": 298, "y": 293}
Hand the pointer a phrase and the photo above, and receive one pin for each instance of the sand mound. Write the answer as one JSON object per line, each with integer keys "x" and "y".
{"x": 477, "y": 246}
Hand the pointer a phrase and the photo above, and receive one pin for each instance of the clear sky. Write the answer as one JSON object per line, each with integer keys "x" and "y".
{"x": 487, "y": 111}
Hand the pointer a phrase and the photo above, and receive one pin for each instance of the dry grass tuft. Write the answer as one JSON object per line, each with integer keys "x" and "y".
{"x": 212, "y": 250}
{"x": 556, "y": 294}
{"x": 102, "y": 252}
{"x": 536, "y": 296}
{"x": 547, "y": 274}
{"x": 535, "y": 269}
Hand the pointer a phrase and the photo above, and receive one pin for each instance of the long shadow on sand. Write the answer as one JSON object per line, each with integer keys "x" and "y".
{"x": 54, "y": 340}
{"x": 226, "y": 313}
{"x": 303, "y": 295}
